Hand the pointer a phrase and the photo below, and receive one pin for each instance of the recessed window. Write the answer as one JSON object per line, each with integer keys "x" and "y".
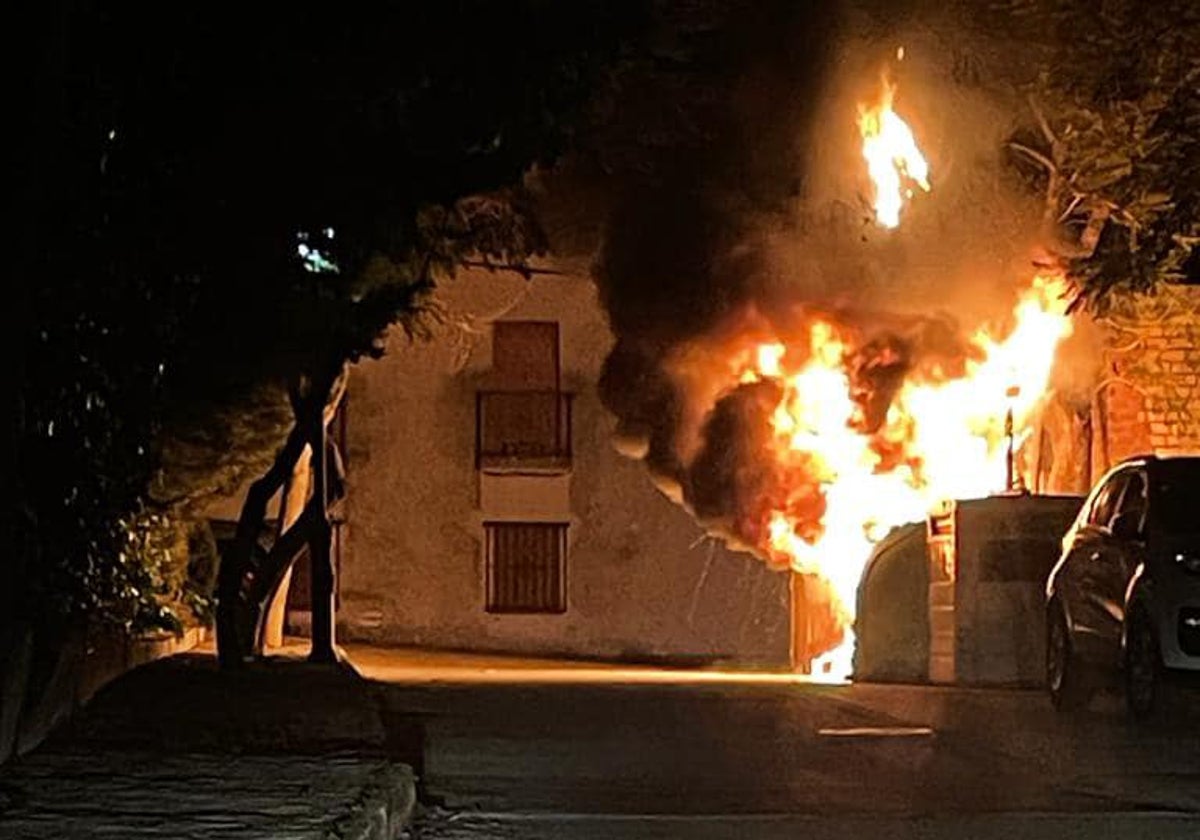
{"x": 524, "y": 356}
{"x": 526, "y": 567}
{"x": 522, "y": 417}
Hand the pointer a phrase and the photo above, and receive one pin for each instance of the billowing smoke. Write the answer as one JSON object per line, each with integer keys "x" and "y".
{"x": 686, "y": 248}
{"x": 731, "y": 185}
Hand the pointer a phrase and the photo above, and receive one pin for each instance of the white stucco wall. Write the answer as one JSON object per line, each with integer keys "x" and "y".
{"x": 642, "y": 582}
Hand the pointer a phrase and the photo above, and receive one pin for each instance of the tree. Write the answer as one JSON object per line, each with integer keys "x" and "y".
{"x": 1114, "y": 139}
{"x": 228, "y": 209}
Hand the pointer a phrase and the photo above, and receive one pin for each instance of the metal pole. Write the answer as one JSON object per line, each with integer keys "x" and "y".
{"x": 1010, "y": 482}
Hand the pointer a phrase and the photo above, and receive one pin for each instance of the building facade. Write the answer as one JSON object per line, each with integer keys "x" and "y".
{"x": 488, "y": 509}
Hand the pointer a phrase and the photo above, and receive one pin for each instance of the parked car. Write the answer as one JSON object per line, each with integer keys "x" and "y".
{"x": 1123, "y": 602}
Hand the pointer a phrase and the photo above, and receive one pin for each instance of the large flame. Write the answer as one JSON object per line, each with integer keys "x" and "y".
{"x": 894, "y": 161}
{"x": 815, "y": 434}
{"x": 943, "y": 437}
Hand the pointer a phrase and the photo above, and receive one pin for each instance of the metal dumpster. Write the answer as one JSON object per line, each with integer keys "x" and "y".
{"x": 988, "y": 564}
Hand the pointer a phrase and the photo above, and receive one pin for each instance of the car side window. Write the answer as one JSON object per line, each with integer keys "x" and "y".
{"x": 1135, "y": 499}
{"x": 1105, "y": 504}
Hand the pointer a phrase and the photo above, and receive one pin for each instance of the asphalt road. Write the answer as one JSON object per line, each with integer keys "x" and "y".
{"x": 582, "y": 753}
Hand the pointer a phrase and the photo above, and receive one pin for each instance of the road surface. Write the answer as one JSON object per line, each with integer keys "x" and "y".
{"x": 581, "y": 752}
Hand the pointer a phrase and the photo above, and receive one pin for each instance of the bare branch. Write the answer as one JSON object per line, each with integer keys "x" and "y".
{"x": 1034, "y": 154}
{"x": 1043, "y": 123}
{"x": 516, "y": 268}
{"x": 1053, "y": 183}
{"x": 1075, "y": 201}
{"x": 1118, "y": 380}
{"x": 1090, "y": 237}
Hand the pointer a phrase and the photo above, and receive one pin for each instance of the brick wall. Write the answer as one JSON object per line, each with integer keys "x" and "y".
{"x": 1146, "y": 398}
{"x": 1149, "y": 400}
{"x": 1121, "y": 408}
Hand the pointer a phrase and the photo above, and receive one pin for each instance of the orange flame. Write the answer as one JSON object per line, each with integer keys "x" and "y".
{"x": 949, "y": 433}
{"x": 894, "y": 161}
{"x": 862, "y": 433}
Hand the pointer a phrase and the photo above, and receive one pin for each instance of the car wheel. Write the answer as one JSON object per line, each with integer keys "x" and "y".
{"x": 1065, "y": 677}
{"x": 1143, "y": 667}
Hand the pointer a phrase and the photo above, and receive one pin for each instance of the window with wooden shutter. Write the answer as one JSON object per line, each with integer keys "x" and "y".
{"x": 526, "y": 567}
{"x": 524, "y": 356}
{"x": 522, "y": 417}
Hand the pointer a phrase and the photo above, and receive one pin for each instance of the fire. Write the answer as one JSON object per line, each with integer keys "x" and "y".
{"x": 818, "y": 432}
{"x": 941, "y": 437}
{"x": 894, "y": 161}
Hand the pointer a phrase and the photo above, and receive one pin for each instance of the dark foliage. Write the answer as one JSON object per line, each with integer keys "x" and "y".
{"x": 1112, "y": 137}
{"x": 221, "y": 200}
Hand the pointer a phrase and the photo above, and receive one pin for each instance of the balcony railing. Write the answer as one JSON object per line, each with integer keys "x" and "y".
{"x": 522, "y": 430}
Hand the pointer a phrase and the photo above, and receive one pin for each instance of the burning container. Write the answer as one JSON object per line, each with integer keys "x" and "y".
{"x": 960, "y": 599}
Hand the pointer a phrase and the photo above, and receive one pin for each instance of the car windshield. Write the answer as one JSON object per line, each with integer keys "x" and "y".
{"x": 1176, "y": 496}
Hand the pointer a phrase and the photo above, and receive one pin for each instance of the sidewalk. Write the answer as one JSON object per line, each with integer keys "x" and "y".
{"x": 414, "y": 667}
{"x": 283, "y": 748}
{"x": 178, "y": 749}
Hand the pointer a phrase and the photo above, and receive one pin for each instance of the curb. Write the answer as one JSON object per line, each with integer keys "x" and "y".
{"x": 385, "y": 808}
{"x": 52, "y": 794}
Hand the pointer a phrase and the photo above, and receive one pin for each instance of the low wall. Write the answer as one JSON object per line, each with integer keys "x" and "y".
{"x": 68, "y": 672}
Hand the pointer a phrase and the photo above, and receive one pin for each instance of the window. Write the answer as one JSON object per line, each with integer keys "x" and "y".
{"x": 1174, "y": 495}
{"x": 522, "y": 428}
{"x": 1106, "y": 501}
{"x": 524, "y": 356}
{"x": 1134, "y": 500}
{"x": 526, "y": 567}
{"x": 522, "y": 417}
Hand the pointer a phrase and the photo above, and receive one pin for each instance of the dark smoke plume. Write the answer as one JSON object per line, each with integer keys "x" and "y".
{"x": 683, "y": 245}
{"x": 728, "y": 176}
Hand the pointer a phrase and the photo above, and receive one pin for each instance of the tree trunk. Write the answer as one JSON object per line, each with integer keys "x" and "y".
{"x": 244, "y": 583}
{"x": 41, "y": 663}
{"x": 16, "y": 656}
{"x": 237, "y": 618}
{"x": 292, "y": 501}
{"x": 322, "y": 586}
